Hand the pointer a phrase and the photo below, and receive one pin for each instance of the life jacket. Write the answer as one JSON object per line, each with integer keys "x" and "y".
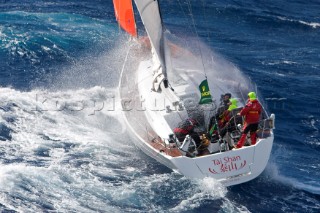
{"x": 224, "y": 118}
{"x": 252, "y": 111}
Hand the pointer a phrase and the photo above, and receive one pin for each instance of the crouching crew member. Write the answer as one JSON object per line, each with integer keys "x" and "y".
{"x": 187, "y": 128}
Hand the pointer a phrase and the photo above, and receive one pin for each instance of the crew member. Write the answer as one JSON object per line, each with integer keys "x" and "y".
{"x": 224, "y": 105}
{"x": 187, "y": 128}
{"x": 251, "y": 113}
{"x": 227, "y": 115}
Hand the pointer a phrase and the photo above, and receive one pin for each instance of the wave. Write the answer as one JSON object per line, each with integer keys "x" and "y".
{"x": 207, "y": 188}
{"x": 293, "y": 182}
{"x": 62, "y": 149}
{"x": 38, "y": 49}
{"x": 51, "y": 35}
{"x": 311, "y": 24}
{"x": 273, "y": 171}
{"x": 279, "y": 62}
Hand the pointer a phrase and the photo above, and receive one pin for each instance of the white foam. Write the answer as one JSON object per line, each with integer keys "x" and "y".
{"x": 58, "y": 187}
{"x": 289, "y": 62}
{"x": 45, "y": 48}
{"x": 311, "y": 24}
{"x": 228, "y": 206}
{"x": 206, "y": 188}
{"x": 280, "y": 62}
{"x": 96, "y": 142}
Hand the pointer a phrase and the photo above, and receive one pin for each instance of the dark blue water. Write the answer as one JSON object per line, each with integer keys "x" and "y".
{"x": 64, "y": 148}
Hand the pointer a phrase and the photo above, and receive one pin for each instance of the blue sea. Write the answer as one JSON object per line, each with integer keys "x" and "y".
{"x": 64, "y": 145}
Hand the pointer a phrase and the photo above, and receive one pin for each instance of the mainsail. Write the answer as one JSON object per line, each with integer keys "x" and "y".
{"x": 124, "y": 14}
{"x": 150, "y": 16}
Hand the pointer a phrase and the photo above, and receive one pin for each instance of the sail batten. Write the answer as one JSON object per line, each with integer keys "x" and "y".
{"x": 125, "y": 16}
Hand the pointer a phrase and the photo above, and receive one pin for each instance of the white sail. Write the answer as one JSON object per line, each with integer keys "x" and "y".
{"x": 150, "y": 16}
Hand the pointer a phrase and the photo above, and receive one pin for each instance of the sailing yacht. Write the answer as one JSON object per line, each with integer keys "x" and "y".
{"x": 171, "y": 85}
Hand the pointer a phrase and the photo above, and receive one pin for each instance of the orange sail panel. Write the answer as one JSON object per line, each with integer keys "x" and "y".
{"x": 125, "y": 16}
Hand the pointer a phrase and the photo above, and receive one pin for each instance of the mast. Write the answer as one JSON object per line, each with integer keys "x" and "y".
{"x": 163, "y": 46}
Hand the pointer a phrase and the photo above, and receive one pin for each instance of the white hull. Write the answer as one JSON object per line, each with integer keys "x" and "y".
{"x": 150, "y": 129}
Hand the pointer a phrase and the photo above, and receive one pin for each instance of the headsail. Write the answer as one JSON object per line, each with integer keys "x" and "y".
{"x": 150, "y": 16}
{"x": 124, "y": 14}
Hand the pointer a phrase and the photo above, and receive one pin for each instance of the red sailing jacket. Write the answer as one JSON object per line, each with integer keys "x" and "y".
{"x": 224, "y": 118}
{"x": 251, "y": 111}
{"x": 185, "y": 127}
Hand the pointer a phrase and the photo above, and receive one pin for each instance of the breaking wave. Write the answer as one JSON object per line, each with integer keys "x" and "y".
{"x": 310, "y": 24}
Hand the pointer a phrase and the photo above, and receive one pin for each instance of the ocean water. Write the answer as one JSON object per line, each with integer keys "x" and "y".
{"x": 63, "y": 142}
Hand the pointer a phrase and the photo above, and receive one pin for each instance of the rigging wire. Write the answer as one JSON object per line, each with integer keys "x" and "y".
{"x": 198, "y": 37}
{"x": 194, "y": 28}
{"x": 197, "y": 34}
{"x": 193, "y": 25}
{"x": 205, "y": 18}
{"x": 185, "y": 15}
{"x": 125, "y": 62}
